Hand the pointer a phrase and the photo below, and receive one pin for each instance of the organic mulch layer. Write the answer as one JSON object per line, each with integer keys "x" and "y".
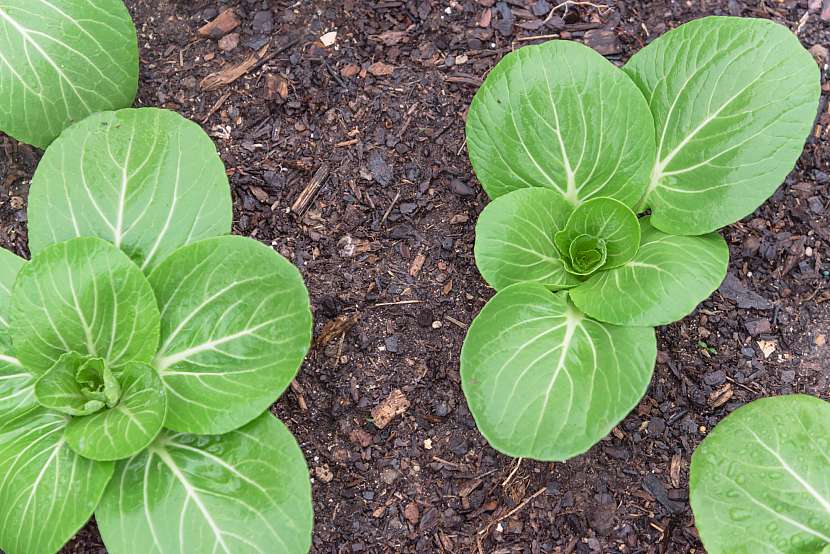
{"x": 346, "y": 153}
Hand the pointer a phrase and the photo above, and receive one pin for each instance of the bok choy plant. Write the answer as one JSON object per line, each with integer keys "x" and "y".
{"x": 140, "y": 350}
{"x": 608, "y": 187}
{"x": 760, "y": 482}
{"x": 62, "y": 60}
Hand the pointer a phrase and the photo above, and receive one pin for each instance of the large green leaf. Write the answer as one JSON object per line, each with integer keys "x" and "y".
{"x": 514, "y": 239}
{"x": 128, "y": 427}
{"x": 84, "y": 296}
{"x": 16, "y": 384}
{"x": 760, "y": 482}
{"x": 247, "y": 491}
{"x": 543, "y": 381}
{"x": 47, "y": 492}
{"x": 235, "y": 326}
{"x": 558, "y": 115}
{"x": 16, "y": 388}
{"x": 606, "y": 219}
{"x": 61, "y": 60}
{"x": 9, "y": 267}
{"x": 147, "y": 180}
{"x": 666, "y": 280}
{"x": 733, "y": 100}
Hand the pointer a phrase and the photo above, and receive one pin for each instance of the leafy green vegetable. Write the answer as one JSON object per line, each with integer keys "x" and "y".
{"x": 544, "y": 381}
{"x": 62, "y": 60}
{"x": 244, "y": 492}
{"x": 146, "y": 180}
{"x": 235, "y": 326}
{"x": 733, "y": 100}
{"x": 92, "y": 371}
{"x": 760, "y": 482}
{"x": 559, "y": 116}
{"x": 700, "y": 128}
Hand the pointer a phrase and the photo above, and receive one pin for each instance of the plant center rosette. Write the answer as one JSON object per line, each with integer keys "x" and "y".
{"x": 140, "y": 350}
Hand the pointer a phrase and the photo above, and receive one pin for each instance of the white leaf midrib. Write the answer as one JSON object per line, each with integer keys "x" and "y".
{"x": 825, "y": 504}
{"x": 192, "y": 494}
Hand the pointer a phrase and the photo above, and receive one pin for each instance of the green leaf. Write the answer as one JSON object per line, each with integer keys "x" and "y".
{"x": 606, "y": 219}
{"x": 47, "y": 492}
{"x": 235, "y": 327}
{"x": 247, "y": 491}
{"x": 733, "y": 100}
{"x": 760, "y": 482}
{"x": 9, "y": 267}
{"x": 666, "y": 280}
{"x": 127, "y": 428}
{"x": 16, "y": 384}
{"x": 545, "y": 382}
{"x": 84, "y": 296}
{"x": 61, "y": 60}
{"x": 146, "y": 180}
{"x": 17, "y": 392}
{"x": 514, "y": 239}
{"x": 559, "y": 115}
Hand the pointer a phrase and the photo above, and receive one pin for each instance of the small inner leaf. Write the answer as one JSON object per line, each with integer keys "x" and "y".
{"x": 606, "y": 219}
{"x": 72, "y": 386}
{"x": 586, "y": 254}
{"x": 97, "y": 382}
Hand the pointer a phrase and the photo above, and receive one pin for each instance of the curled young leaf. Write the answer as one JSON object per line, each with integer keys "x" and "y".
{"x": 83, "y": 296}
{"x": 236, "y": 325}
{"x": 664, "y": 282}
{"x": 61, "y": 61}
{"x": 122, "y": 430}
{"x": 760, "y": 482}
{"x": 733, "y": 100}
{"x": 606, "y": 220}
{"x": 559, "y": 115}
{"x": 546, "y": 382}
{"x": 146, "y": 180}
{"x": 245, "y": 492}
{"x": 514, "y": 239}
{"x": 586, "y": 254}
{"x": 78, "y": 385}
{"x": 47, "y": 491}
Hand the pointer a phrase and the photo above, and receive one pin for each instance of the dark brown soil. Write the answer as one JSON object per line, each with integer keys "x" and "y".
{"x": 388, "y": 242}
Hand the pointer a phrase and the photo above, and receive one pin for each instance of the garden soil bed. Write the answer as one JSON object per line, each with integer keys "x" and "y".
{"x": 386, "y": 248}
